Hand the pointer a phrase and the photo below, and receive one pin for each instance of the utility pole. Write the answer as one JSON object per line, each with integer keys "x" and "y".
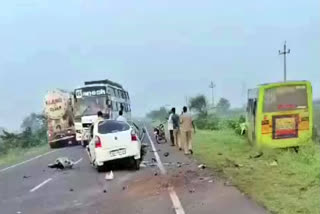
{"x": 284, "y": 53}
{"x": 212, "y": 86}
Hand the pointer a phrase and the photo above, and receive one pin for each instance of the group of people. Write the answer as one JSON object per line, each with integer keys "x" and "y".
{"x": 181, "y": 129}
{"x": 120, "y": 117}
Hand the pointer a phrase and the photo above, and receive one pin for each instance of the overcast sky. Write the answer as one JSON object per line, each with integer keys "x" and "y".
{"x": 161, "y": 51}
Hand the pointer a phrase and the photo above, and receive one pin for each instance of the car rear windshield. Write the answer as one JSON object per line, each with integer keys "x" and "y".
{"x": 285, "y": 98}
{"x": 112, "y": 126}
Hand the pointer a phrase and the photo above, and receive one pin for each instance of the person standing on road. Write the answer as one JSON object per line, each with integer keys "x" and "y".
{"x": 176, "y": 128}
{"x": 186, "y": 131}
{"x": 121, "y": 117}
{"x": 170, "y": 127}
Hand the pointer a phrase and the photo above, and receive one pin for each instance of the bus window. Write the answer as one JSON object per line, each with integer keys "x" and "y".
{"x": 285, "y": 98}
{"x": 114, "y": 106}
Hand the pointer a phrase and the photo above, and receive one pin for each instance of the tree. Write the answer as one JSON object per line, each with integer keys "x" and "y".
{"x": 223, "y": 105}
{"x": 159, "y": 114}
{"x": 34, "y": 121}
{"x": 199, "y": 104}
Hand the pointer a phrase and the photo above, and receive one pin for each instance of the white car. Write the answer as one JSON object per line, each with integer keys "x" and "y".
{"x": 113, "y": 140}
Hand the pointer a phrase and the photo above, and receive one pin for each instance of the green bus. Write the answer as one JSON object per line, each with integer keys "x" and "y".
{"x": 280, "y": 114}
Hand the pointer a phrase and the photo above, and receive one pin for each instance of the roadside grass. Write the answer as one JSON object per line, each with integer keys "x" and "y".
{"x": 17, "y": 155}
{"x": 290, "y": 187}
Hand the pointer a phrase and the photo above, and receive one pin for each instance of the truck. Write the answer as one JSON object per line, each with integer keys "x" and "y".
{"x": 58, "y": 110}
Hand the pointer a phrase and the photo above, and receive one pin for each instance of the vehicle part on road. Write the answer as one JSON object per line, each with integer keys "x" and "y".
{"x": 154, "y": 160}
{"x": 62, "y": 163}
{"x": 25, "y": 177}
{"x": 202, "y": 166}
{"x": 109, "y": 176}
{"x": 166, "y": 154}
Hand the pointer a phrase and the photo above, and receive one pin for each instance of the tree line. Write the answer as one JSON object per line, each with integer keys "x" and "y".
{"x": 34, "y": 133}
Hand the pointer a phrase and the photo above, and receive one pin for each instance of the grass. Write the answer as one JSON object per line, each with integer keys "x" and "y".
{"x": 18, "y": 155}
{"x": 290, "y": 187}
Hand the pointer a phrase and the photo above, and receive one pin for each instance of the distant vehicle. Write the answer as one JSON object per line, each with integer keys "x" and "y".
{"x": 280, "y": 115}
{"x": 113, "y": 140}
{"x": 59, "y": 114}
{"x": 102, "y": 95}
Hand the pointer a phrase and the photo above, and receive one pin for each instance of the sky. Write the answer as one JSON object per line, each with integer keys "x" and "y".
{"x": 161, "y": 51}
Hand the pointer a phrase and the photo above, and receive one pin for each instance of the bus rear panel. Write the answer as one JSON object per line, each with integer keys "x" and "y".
{"x": 284, "y": 117}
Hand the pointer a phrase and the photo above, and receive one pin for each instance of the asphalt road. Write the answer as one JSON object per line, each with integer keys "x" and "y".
{"x": 174, "y": 185}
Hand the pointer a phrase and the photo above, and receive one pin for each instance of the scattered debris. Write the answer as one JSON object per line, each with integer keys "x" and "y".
{"x": 166, "y": 154}
{"x": 201, "y": 179}
{"x": 274, "y": 163}
{"x": 210, "y": 181}
{"x": 202, "y": 166}
{"x": 142, "y": 165}
{"x": 62, "y": 163}
{"x": 155, "y": 174}
{"x": 154, "y": 160}
{"x": 228, "y": 183}
{"x": 19, "y": 212}
{"x": 124, "y": 187}
{"x": 71, "y": 190}
{"x": 220, "y": 153}
{"x": 257, "y": 155}
{"x": 237, "y": 165}
{"x": 191, "y": 190}
{"x": 179, "y": 165}
{"x": 25, "y": 177}
{"x": 109, "y": 176}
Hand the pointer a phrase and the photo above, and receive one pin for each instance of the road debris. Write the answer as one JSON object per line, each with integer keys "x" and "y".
{"x": 191, "y": 190}
{"x": 166, "y": 154}
{"x": 104, "y": 191}
{"x": 274, "y": 163}
{"x": 109, "y": 176}
{"x": 142, "y": 165}
{"x": 228, "y": 184}
{"x": 210, "y": 181}
{"x": 124, "y": 187}
{"x": 71, "y": 190}
{"x": 62, "y": 163}
{"x": 202, "y": 166}
{"x": 19, "y": 212}
{"x": 154, "y": 160}
{"x": 25, "y": 177}
{"x": 257, "y": 155}
{"x": 156, "y": 174}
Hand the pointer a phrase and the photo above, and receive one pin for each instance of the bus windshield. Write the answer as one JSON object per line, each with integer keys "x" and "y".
{"x": 90, "y": 106}
{"x": 285, "y": 98}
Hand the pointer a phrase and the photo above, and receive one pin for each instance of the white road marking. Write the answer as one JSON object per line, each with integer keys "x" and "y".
{"x": 78, "y": 161}
{"x": 34, "y": 158}
{"x": 173, "y": 195}
{"x": 40, "y": 185}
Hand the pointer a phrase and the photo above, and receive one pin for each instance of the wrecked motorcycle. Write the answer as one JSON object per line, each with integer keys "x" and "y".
{"x": 159, "y": 133}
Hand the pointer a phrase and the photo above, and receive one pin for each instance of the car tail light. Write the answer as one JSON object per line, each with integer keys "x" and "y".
{"x": 134, "y": 136}
{"x": 98, "y": 142}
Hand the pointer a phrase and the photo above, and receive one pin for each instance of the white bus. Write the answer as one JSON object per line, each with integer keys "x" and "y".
{"x": 102, "y": 95}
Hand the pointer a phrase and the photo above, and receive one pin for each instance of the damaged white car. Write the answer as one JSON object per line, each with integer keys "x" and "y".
{"x": 112, "y": 140}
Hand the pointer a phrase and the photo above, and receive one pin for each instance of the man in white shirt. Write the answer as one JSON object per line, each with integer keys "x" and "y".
{"x": 121, "y": 117}
{"x": 170, "y": 128}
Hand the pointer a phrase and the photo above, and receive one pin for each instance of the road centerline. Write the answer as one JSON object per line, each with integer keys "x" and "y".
{"x": 173, "y": 195}
{"x": 78, "y": 161}
{"x": 40, "y": 185}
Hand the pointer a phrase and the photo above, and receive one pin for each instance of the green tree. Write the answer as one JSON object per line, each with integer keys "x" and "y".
{"x": 199, "y": 104}
{"x": 223, "y": 105}
{"x": 159, "y": 114}
{"x": 34, "y": 121}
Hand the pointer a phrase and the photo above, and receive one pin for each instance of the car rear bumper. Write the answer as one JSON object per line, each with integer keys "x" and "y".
{"x": 104, "y": 155}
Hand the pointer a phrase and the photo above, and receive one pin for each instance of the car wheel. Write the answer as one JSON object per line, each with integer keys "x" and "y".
{"x": 53, "y": 145}
{"x": 136, "y": 164}
{"x": 100, "y": 168}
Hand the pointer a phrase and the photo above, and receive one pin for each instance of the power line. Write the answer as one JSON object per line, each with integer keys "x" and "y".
{"x": 284, "y": 53}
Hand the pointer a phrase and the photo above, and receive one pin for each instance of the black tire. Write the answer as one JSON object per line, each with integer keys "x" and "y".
{"x": 53, "y": 145}
{"x": 100, "y": 168}
{"x": 84, "y": 143}
{"x": 136, "y": 164}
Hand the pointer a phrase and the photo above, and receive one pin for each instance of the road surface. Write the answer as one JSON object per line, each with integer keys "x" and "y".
{"x": 173, "y": 185}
